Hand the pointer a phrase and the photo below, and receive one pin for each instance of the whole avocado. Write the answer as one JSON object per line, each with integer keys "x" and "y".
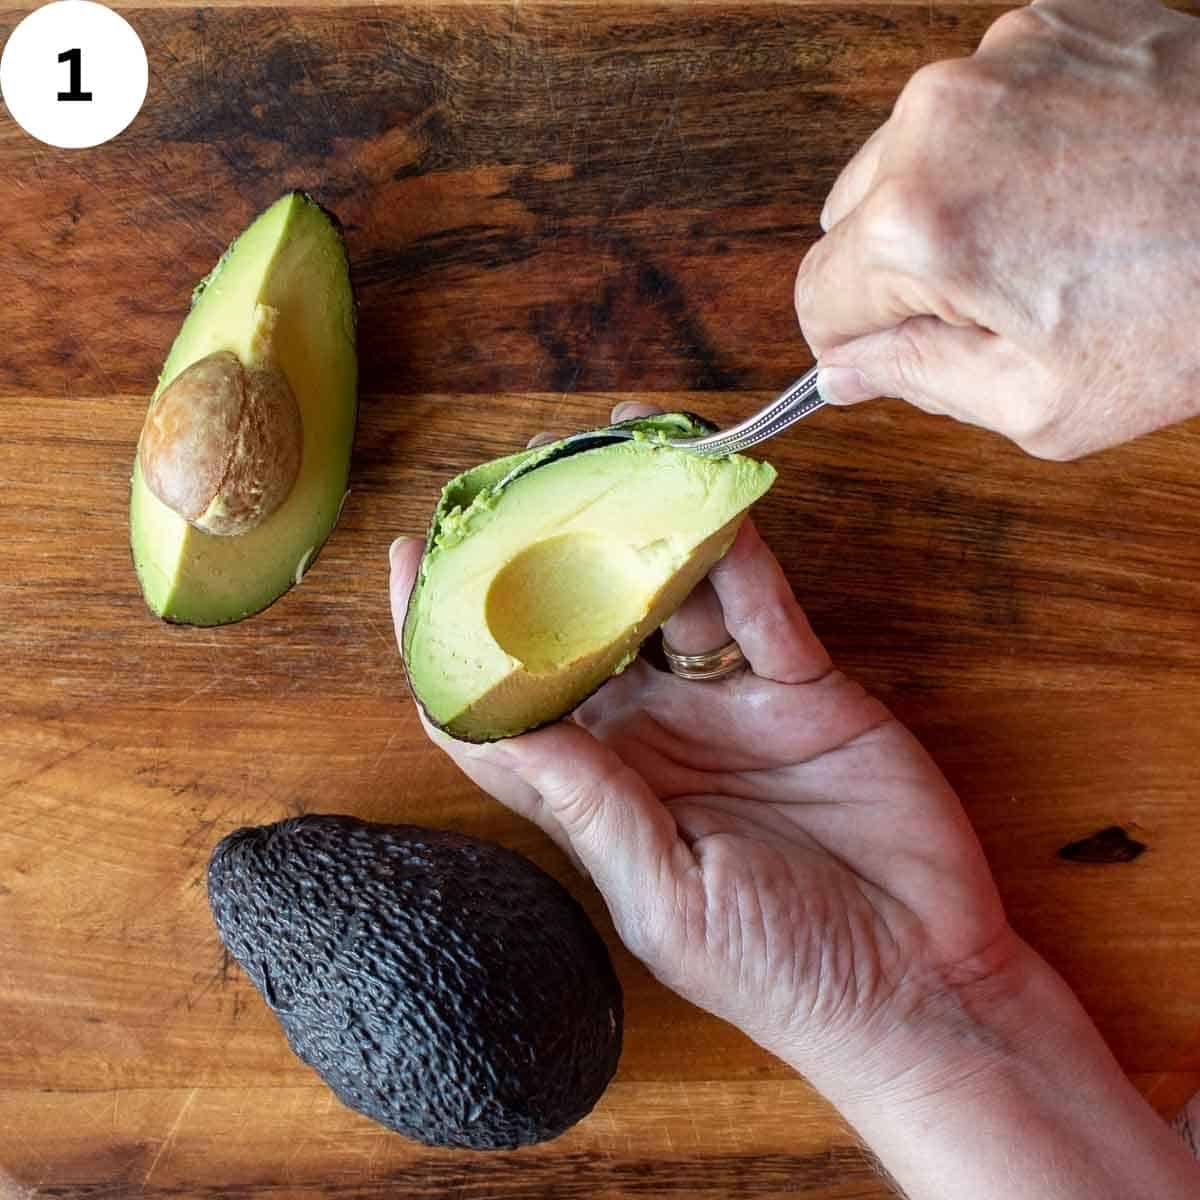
{"x": 444, "y": 986}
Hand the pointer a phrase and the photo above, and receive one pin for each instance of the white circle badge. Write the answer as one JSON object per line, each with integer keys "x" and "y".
{"x": 73, "y": 74}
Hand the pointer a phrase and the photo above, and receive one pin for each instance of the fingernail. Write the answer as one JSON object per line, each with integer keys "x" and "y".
{"x": 396, "y": 547}
{"x": 844, "y": 385}
{"x": 624, "y": 409}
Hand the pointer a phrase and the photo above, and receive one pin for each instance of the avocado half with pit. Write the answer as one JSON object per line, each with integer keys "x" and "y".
{"x": 545, "y": 571}
{"x": 244, "y": 457}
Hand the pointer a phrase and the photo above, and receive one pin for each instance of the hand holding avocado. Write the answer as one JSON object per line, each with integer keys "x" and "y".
{"x": 773, "y": 844}
{"x": 728, "y": 826}
{"x": 779, "y": 850}
{"x": 1017, "y": 244}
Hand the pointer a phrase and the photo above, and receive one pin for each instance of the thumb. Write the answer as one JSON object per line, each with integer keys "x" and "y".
{"x": 962, "y": 371}
{"x": 404, "y": 559}
{"x": 617, "y": 826}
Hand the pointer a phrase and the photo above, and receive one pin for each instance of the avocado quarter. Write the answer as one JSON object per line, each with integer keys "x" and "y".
{"x": 444, "y": 986}
{"x": 279, "y": 303}
{"x": 544, "y": 572}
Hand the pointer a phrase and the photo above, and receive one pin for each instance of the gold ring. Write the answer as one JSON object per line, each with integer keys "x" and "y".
{"x": 712, "y": 664}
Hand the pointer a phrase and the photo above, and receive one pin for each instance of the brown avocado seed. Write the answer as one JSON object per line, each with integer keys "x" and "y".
{"x": 222, "y": 443}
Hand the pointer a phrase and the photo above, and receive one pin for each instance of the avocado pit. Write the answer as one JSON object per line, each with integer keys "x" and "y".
{"x": 222, "y": 444}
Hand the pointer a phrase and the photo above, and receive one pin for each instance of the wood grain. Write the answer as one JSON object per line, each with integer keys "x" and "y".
{"x": 549, "y": 208}
{"x": 536, "y": 199}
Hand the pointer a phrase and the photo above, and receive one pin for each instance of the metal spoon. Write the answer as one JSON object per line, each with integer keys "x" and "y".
{"x": 791, "y": 405}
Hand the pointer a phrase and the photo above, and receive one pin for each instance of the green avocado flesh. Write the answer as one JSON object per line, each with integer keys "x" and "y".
{"x": 287, "y": 272}
{"x": 531, "y": 594}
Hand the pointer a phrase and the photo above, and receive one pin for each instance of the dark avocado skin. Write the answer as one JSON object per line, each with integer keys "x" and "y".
{"x": 686, "y": 424}
{"x": 444, "y": 986}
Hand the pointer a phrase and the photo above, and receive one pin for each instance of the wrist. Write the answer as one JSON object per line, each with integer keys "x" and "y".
{"x": 937, "y": 1029}
{"x": 1001, "y": 1086}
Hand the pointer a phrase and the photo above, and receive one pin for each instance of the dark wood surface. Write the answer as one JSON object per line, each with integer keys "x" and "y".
{"x": 548, "y": 207}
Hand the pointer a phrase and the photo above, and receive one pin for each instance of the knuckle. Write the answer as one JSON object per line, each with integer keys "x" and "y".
{"x": 906, "y": 361}
{"x": 1014, "y": 26}
{"x": 767, "y": 618}
{"x": 895, "y": 208}
{"x": 807, "y": 308}
{"x": 1044, "y": 438}
{"x": 931, "y": 233}
{"x": 638, "y": 933}
{"x": 1050, "y": 452}
{"x": 579, "y": 801}
{"x": 937, "y": 85}
{"x": 576, "y": 805}
{"x": 1036, "y": 422}
{"x": 909, "y": 225}
{"x": 802, "y": 290}
{"x": 948, "y": 101}
{"x": 644, "y": 933}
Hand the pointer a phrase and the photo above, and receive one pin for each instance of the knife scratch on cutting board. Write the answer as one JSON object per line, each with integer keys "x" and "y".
{"x": 171, "y": 1135}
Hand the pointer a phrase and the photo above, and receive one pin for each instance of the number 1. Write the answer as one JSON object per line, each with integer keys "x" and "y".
{"x": 75, "y": 58}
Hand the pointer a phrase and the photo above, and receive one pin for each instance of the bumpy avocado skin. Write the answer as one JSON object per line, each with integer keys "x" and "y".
{"x": 444, "y": 986}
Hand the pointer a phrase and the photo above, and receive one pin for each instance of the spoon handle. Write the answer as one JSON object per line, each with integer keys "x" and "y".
{"x": 790, "y": 406}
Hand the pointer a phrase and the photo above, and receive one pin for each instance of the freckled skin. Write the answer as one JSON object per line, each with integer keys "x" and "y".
{"x": 1018, "y": 246}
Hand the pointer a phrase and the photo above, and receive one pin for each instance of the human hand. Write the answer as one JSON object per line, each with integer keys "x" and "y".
{"x": 1018, "y": 246}
{"x": 780, "y": 851}
{"x": 774, "y": 846}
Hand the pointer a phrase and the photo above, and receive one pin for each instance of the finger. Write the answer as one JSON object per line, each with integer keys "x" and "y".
{"x": 1014, "y": 30}
{"x": 761, "y": 613}
{"x": 881, "y": 264}
{"x": 620, "y": 830}
{"x": 966, "y": 373}
{"x": 627, "y": 410}
{"x": 698, "y": 625}
{"x": 404, "y": 557}
{"x": 473, "y": 761}
{"x": 922, "y": 361}
{"x": 855, "y": 181}
{"x": 841, "y": 291}
{"x": 484, "y": 768}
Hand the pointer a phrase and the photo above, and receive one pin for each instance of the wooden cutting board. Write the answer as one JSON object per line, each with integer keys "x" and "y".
{"x": 548, "y": 207}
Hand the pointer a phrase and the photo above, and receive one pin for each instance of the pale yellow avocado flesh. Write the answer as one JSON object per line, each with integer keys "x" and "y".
{"x": 286, "y": 273}
{"x": 526, "y": 604}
